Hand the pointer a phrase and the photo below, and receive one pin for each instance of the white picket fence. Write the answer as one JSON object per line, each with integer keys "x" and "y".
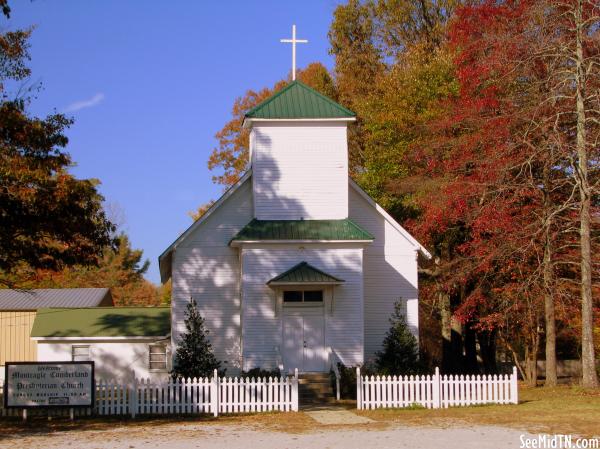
{"x": 216, "y": 395}
{"x": 435, "y": 391}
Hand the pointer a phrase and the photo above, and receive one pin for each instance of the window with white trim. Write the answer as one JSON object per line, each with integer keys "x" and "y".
{"x": 303, "y": 296}
{"x": 157, "y": 357}
{"x": 80, "y": 353}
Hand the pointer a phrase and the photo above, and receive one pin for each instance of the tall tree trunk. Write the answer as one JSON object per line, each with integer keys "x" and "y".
{"x": 457, "y": 345}
{"x": 548, "y": 272}
{"x": 531, "y": 356}
{"x": 588, "y": 359}
{"x": 446, "y": 316}
{"x": 487, "y": 348}
{"x": 551, "y": 377}
{"x": 471, "y": 366}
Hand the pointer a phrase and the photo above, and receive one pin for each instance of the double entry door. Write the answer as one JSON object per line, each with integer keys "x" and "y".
{"x": 304, "y": 339}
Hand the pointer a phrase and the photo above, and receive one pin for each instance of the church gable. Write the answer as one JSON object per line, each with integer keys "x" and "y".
{"x": 388, "y": 234}
{"x": 217, "y": 226}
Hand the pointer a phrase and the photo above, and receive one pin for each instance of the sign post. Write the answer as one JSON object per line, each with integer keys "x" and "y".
{"x": 49, "y": 385}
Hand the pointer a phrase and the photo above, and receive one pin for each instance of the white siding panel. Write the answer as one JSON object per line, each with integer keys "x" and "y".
{"x": 262, "y": 318}
{"x": 207, "y": 269}
{"x": 300, "y": 171}
{"x": 119, "y": 360}
{"x": 390, "y": 274}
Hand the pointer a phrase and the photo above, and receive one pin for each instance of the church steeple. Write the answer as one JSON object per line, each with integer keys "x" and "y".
{"x": 299, "y": 155}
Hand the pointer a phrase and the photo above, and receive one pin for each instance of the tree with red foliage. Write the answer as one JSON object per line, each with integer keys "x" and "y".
{"x": 504, "y": 178}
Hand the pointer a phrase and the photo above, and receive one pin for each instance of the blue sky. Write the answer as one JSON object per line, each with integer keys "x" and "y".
{"x": 149, "y": 83}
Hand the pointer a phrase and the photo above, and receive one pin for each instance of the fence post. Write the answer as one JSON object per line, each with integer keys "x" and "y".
{"x": 359, "y": 404}
{"x": 133, "y": 398}
{"x": 214, "y": 393}
{"x": 295, "y": 391}
{"x": 437, "y": 397}
{"x": 514, "y": 391}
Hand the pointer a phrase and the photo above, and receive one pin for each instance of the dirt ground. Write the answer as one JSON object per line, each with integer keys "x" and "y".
{"x": 210, "y": 435}
{"x": 562, "y": 410}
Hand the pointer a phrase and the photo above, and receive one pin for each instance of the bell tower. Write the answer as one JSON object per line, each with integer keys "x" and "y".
{"x": 299, "y": 155}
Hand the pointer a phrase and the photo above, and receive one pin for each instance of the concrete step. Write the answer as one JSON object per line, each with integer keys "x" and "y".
{"x": 315, "y": 389}
{"x": 312, "y": 392}
{"x": 314, "y": 382}
{"x": 323, "y": 386}
{"x": 314, "y": 376}
{"x": 316, "y": 392}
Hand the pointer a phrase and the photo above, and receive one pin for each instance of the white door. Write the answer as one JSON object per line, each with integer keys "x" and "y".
{"x": 293, "y": 339}
{"x": 314, "y": 343}
{"x": 304, "y": 340}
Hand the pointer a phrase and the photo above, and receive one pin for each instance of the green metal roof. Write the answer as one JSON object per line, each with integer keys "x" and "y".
{"x": 103, "y": 322}
{"x": 304, "y": 273}
{"x": 298, "y": 101}
{"x": 344, "y": 229}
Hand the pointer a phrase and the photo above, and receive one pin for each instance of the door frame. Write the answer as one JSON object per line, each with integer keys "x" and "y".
{"x": 303, "y": 310}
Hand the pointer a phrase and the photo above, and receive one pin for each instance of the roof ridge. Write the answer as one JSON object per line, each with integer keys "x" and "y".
{"x": 303, "y": 264}
{"x": 271, "y": 98}
{"x": 343, "y": 111}
{"x": 326, "y": 98}
{"x": 321, "y": 271}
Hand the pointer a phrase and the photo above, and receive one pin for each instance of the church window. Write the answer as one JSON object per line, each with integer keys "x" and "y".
{"x": 303, "y": 296}
{"x": 80, "y": 353}
{"x": 157, "y": 358}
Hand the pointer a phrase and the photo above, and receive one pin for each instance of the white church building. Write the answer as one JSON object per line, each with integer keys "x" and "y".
{"x": 295, "y": 266}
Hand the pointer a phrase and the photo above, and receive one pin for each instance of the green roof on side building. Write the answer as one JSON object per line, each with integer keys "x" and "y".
{"x": 299, "y": 101}
{"x": 258, "y": 230}
{"x": 97, "y": 322}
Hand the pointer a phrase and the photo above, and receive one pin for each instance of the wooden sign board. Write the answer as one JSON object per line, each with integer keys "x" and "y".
{"x": 49, "y": 384}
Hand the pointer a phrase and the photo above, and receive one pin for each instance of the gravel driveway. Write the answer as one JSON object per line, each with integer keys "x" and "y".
{"x": 218, "y": 436}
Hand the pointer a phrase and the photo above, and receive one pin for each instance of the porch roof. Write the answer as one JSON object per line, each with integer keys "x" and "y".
{"x": 304, "y": 273}
{"x": 306, "y": 230}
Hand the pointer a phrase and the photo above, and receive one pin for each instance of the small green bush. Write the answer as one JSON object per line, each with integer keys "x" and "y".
{"x": 400, "y": 353}
{"x": 194, "y": 356}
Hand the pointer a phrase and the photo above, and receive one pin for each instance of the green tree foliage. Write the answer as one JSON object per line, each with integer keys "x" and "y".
{"x": 358, "y": 66}
{"x": 194, "y": 356}
{"x": 400, "y": 353}
{"x": 392, "y": 68}
{"x": 49, "y": 219}
{"x": 165, "y": 292}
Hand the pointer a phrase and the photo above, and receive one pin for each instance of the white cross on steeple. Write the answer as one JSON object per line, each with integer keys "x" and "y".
{"x": 294, "y": 41}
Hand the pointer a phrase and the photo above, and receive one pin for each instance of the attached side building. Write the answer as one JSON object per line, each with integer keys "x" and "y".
{"x": 124, "y": 342}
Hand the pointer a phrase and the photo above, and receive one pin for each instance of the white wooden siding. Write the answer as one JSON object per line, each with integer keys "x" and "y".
{"x": 262, "y": 320}
{"x": 207, "y": 269}
{"x": 390, "y": 273}
{"x": 121, "y": 360}
{"x": 300, "y": 171}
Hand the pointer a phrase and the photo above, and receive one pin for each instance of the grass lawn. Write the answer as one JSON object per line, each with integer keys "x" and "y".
{"x": 564, "y": 409}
